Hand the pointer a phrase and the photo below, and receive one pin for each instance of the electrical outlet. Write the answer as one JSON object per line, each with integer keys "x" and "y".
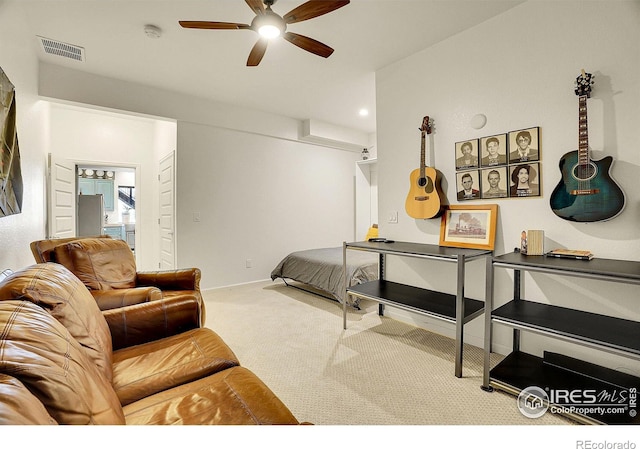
{"x": 393, "y": 216}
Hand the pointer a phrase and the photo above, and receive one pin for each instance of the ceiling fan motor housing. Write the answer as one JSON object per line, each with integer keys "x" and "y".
{"x": 269, "y": 19}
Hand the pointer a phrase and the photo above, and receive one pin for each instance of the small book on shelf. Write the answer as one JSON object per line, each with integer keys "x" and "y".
{"x": 579, "y": 254}
{"x": 535, "y": 243}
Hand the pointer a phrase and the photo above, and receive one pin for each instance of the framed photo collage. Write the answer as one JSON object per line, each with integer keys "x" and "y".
{"x": 500, "y": 166}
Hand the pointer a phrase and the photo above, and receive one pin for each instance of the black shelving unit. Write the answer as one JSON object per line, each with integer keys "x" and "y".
{"x": 606, "y": 333}
{"x": 455, "y": 309}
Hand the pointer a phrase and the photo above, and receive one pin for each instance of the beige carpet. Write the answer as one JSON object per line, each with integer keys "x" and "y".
{"x": 378, "y": 371}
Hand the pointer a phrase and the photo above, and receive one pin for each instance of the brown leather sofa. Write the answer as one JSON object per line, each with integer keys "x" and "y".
{"x": 108, "y": 269}
{"x": 64, "y": 361}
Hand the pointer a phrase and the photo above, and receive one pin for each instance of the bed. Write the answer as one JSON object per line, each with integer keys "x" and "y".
{"x": 322, "y": 269}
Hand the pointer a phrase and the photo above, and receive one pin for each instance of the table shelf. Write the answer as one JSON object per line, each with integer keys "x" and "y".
{"x": 603, "y": 332}
{"x": 423, "y": 301}
{"x": 452, "y": 308}
{"x": 606, "y": 332}
{"x": 520, "y": 370}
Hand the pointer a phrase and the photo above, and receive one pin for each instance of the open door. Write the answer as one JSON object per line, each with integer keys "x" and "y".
{"x": 167, "y": 213}
{"x": 61, "y": 198}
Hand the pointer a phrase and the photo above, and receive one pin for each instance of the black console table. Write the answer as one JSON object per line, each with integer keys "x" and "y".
{"x": 520, "y": 370}
{"x": 454, "y": 309}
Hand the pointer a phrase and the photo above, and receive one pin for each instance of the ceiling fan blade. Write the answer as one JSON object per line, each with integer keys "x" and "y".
{"x": 213, "y": 25}
{"x": 256, "y": 6}
{"x": 257, "y": 52}
{"x": 313, "y": 8}
{"x": 311, "y": 45}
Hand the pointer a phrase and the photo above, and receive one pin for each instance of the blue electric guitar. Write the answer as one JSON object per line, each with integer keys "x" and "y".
{"x": 586, "y": 193}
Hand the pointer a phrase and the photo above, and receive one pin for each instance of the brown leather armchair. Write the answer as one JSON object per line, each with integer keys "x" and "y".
{"x": 63, "y": 361}
{"x": 107, "y": 267}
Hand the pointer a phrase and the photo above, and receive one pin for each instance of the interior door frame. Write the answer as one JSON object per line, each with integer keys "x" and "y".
{"x": 105, "y": 165}
{"x": 170, "y": 157}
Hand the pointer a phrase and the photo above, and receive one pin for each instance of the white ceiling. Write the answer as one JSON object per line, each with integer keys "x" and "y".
{"x": 366, "y": 35}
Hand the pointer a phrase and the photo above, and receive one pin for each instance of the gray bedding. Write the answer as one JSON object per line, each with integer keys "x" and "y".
{"x": 322, "y": 269}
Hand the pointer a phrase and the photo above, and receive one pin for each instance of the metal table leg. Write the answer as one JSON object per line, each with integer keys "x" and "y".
{"x": 460, "y": 316}
{"x": 488, "y": 308}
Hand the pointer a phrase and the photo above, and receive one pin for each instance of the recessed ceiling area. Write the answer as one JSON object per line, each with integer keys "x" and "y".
{"x": 366, "y": 35}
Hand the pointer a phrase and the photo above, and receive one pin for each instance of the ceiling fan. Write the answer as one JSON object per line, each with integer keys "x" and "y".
{"x": 269, "y": 25}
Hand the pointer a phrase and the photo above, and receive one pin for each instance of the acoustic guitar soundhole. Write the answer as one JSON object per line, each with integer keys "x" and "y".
{"x": 584, "y": 172}
{"x": 424, "y": 182}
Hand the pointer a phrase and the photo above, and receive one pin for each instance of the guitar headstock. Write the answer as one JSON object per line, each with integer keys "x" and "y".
{"x": 584, "y": 81}
{"x": 426, "y": 125}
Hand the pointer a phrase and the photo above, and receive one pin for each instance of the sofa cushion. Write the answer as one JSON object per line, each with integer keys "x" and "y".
{"x": 53, "y": 287}
{"x": 38, "y": 350}
{"x": 234, "y": 396}
{"x": 18, "y": 406}
{"x": 149, "y": 368}
{"x": 101, "y": 264}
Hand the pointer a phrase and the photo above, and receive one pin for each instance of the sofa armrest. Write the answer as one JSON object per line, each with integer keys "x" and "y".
{"x": 182, "y": 279}
{"x": 149, "y": 321}
{"x": 121, "y": 297}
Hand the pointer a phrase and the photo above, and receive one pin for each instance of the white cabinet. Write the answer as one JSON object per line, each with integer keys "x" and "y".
{"x": 115, "y": 231}
{"x": 130, "y": 232}
{"x": 89, "y": 186}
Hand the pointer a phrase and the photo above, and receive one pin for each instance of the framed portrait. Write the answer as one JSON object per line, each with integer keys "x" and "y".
{"x": 524, "y": 180}
{"x": 467, "y": 154}
{"x": 493, "y": 150}
{"x": 524, "y": 145}
{"x": 495, "y": 182}
{"x": 468, "y": 185}
{"x": 11, "y": 186}
{"x": 469, "y": 226}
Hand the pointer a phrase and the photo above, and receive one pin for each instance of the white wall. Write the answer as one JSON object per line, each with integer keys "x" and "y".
{"x": 20, "y": 64}
{"x": 259, "y": 198}
{"x": 518, "y": 69}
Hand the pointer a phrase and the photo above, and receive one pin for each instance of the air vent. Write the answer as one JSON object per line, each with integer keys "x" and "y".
{"x": 57, "y": 48}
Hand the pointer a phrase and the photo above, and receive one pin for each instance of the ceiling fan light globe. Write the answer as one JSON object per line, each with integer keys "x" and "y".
{"x": 269, "y": 31}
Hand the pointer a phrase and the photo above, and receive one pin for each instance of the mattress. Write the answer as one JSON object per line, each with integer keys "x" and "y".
{"x": 322, "y": 269}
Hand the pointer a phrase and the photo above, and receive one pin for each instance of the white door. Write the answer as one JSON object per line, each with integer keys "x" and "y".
{"x": 61, "y": 198}
{"x": 166, "y": 179}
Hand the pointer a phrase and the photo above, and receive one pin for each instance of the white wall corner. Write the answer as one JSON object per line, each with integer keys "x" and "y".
{"x": 335, "y": 136}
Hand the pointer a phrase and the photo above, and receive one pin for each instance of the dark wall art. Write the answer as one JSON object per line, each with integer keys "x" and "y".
{"x": 509, "y": 166}
{"x": 10, "y": 174}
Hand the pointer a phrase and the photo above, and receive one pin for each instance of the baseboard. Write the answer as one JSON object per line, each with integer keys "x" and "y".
{"x": 234, "y": 285}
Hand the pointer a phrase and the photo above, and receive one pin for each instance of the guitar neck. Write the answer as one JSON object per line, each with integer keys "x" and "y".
{"x": 583, "y": 131}
{"x": 422, "y": 155}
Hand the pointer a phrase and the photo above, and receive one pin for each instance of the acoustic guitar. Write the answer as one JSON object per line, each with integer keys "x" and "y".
{"x": 586, "y": 193}
{"x": 425, "y": 198}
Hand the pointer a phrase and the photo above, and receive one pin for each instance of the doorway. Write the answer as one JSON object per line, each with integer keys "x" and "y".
{"x": 117, "y": 185}
{"x": 70, "y": 179}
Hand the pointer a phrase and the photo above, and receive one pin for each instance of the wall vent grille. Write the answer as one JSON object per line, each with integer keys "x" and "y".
{"x": 57, "y": 48}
